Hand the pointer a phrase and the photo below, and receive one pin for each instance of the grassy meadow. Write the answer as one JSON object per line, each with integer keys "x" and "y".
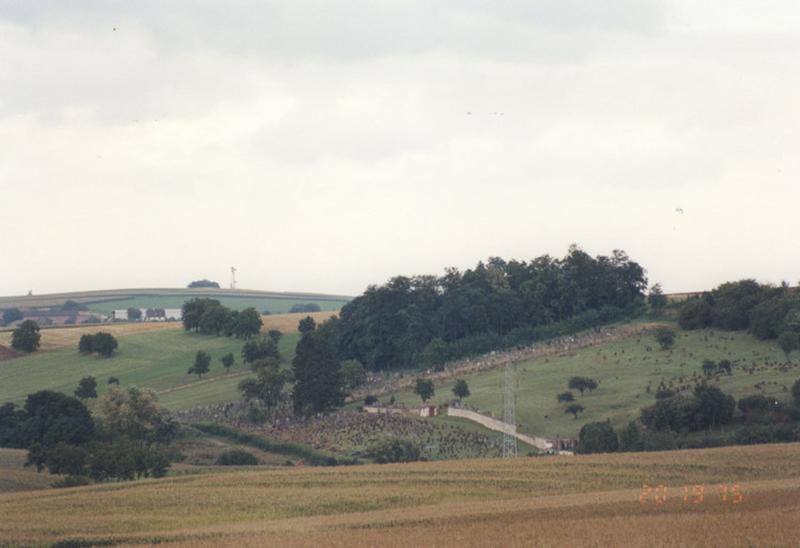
{"x": 106, "y": 300}
{"x": 156, "y": 359}
{"x": 62, "y": 336}
{"x": 624, "y": 369}
{"x": 586, "y": 500}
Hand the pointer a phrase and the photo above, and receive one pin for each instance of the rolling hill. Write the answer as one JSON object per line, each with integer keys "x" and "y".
{"x": 154, "y": 356}
{"x": 624, "y": 368}
{"x": 104, "y": 301}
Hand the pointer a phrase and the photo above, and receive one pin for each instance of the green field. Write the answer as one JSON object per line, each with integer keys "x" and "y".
{"x": 275, "y": 305}
{"x": 105, "y": 301}
{"x": 157, "y": 360}
{"x": 624, "y": 369}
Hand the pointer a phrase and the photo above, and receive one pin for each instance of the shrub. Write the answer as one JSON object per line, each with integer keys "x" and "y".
{"x": 665, "y": 337}
{"x": 597, "y": 437}
{"x": 695, "y": 314}
{"x": 236, "y": 457}
{"x": 71, "y": 481}
{"x": 394, "y": 450}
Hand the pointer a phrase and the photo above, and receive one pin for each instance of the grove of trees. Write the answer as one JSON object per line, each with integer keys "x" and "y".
{"x": 11, "y": 315}
{"x": 766, "y": 311}
{"x": 203, "y": 283}
{"x": 430, "y": 319}
{"x": 128, "y": 438}
{"x": 210, "y": 317}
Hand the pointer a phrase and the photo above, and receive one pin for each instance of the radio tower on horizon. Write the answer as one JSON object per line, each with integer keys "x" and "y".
{"x": 233, "y": 277}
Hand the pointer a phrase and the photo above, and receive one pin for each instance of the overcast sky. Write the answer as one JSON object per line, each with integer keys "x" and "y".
{"x": 324, "y": 146}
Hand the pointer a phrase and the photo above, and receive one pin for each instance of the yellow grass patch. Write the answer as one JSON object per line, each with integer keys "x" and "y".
{"x": 548, "y": 501}
{"x": 60, "y": 337}
{"x": 287, "y": 323}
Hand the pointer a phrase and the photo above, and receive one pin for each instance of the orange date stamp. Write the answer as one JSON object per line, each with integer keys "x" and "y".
{"x": 692, "y": 494}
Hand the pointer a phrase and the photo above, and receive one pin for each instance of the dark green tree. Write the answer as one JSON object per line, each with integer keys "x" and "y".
{"x": 202, "y": 362}
{"x": 104, "y": 344}
{"x": 87, "y": 388}
{"x": 53, "y": 417}
{"x": 113, "y": 380}
{"x": 656, "y": 298}
{"x": 214, "y": 320}
{"x": 26, "y": 337}
{"x": 695, "y": 313}
{"x": 11, "y": 426}
{"x": 353, "y": 374}
{"x": 756, "y": 406}
{"x": 767, "y": 318}
{"x": 306, "y": 325}
{"x": 86, "y": 344}
{"x": 665, "y": 337}
{"x": 630, "y": 438}
{"x": 227, "y": 361}
{"x": 317, "y": 376}
{"x": 134, "y": 314}
{"x": 193, "y": 310}
{"x": 796, "y": 391}
{"x": 275, "y": 335}
{"x": 574, "y": 409}
{"x": 461, "y": 389}
{"x": 565, "y": 397}
{"x": 435, "y": 354}
{"x": 249, "y": 324}
{"x": 581, "y": 384}
{"x": 709, "y": 366}
{"x": 714, "y": 408}
{"x": 268, "y": 385}
{"x": 258, "y": 349}
{"x": 733, "y": 302}
{"x": 424, "y": 389}
{"x": 597, "y": 437}
{"x": 789, "y": 341}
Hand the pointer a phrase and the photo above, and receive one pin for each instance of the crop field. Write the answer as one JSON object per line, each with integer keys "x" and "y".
{"x": 593, "y": 500}
{"x": 60, "y": 337}
{"x": 624, "y": 370}
{"x": 156, "y": 359}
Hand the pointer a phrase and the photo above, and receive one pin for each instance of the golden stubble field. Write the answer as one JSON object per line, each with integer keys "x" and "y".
{"x": 60, "y": 337}
{"x": 546, "y": 501}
